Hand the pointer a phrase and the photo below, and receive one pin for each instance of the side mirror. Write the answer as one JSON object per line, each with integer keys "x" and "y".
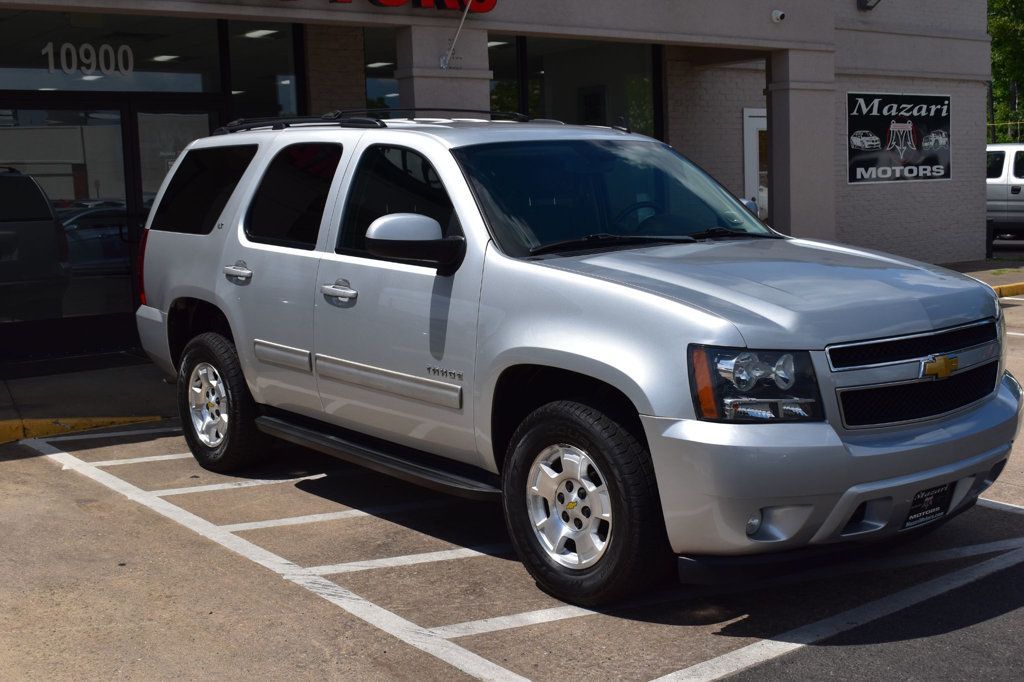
{"x": 414, "y": 237}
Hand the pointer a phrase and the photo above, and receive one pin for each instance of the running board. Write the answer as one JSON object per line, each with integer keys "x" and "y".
{"x": 429, "y": 474}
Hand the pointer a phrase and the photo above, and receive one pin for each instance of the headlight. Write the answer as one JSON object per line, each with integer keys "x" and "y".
{"x": 740, "y": 385}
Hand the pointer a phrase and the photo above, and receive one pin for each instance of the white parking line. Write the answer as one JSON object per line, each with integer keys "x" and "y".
{"x": 248, "y": 483}
{"x": 1015, "y": 333}
{"x": 334, "y": 516}
{"x": 141, "y": 460}
{"x": 468, "y": 662}
{"x": 1001, "y": 506}
{"x": 518, "y": 620}
{"x": 768, "y": 649}
{"x": 1010, "y": 298}
{"x": 112, "y": 434}
{"x": 409, "y": 559}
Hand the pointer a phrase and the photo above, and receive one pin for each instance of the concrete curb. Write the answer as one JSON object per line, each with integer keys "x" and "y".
{"x": 16, "y": 429}
{"x": 1015, "y": 289}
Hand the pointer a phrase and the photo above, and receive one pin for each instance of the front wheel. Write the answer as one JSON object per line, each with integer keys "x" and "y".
{"x": 582, "y": 507}
{"x": 217, "y": 411}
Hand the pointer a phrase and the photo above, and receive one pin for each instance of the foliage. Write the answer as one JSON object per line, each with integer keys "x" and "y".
{"x": 1006, "y": 26}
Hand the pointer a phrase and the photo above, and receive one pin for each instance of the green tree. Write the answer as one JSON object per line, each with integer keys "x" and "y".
{"x": 1006, "y": 26}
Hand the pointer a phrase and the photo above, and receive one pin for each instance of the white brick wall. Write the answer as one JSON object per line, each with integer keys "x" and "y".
{"x": 936, "y": 221}
{"x": 704, "y": 113}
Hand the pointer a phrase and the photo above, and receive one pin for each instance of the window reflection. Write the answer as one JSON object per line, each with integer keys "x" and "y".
{"x": 263, "y": 80}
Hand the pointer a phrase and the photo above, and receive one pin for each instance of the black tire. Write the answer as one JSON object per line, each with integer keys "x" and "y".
{"x": 637, "y": 554}
{"x": 242, "y": 445}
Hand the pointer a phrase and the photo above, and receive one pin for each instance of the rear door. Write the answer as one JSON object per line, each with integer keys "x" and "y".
{"x": 1015, "y": 193}
{"x": 270, "y": 266}
{"x": 996, "y": 188}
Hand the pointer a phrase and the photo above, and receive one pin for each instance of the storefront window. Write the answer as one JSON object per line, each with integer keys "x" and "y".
{"x": 505, "y": 66}
{"x": 65, "y": 51}
{"x": 590, "y": 82}
{"x": 380, "y": 60}
{"x": 263, "y": 79}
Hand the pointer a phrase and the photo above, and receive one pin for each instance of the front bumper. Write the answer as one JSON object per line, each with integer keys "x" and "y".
{"x": 811, "y": 486}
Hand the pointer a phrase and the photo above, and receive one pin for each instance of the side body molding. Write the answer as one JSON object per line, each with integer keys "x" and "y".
{"x": 397, "y": 383}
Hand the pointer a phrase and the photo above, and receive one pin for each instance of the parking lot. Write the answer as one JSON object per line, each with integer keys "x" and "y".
{"x": 120, "y": 557}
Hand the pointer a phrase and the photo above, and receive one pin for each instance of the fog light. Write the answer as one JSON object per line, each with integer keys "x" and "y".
{"x": 754, "y": 523}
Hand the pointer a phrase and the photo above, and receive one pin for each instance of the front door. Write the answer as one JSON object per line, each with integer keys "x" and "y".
{"x": 755, "y": 159}
{"x": 395, "y": 341}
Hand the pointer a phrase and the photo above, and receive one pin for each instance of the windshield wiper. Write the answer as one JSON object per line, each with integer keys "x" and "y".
{"x": 726, "y": 233}
{"x": 602, "y": 238}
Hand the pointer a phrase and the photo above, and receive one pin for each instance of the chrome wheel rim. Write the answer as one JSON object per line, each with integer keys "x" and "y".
{"x": 208, "y": 405}
{"x": 569, "y": 506}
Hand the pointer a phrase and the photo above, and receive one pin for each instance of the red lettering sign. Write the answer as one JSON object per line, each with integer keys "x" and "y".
{"x": 475, "y": 6}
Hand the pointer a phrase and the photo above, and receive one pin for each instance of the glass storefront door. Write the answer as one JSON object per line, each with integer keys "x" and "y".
{"x": 76, "y": 186}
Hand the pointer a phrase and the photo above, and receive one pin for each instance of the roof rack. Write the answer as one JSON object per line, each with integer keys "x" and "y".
{"x": 374, "y": 113}
{"x": 275, "y": 123}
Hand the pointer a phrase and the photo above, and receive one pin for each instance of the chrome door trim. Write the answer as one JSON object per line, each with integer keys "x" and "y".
{"x": 284, "y": 356}
{"x": 397, "y": 383}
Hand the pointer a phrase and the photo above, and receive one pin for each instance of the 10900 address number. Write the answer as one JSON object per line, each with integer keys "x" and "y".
{"x": 88, "y": 59}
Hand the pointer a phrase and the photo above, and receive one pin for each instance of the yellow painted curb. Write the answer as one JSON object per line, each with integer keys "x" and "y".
{"x": 1015, "y": 289}
{"x": 16, "y": 429}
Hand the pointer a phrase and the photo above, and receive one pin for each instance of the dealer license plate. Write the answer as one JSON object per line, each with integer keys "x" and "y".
{"x": 929, "y": 505}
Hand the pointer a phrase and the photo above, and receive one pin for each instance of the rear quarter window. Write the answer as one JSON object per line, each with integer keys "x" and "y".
{"x": 21, "y": 200}
{"x": 995, "y": 164}
{"x": 201, "y": 187}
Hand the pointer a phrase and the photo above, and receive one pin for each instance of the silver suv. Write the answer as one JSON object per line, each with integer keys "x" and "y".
{"x": 576, "y": 321}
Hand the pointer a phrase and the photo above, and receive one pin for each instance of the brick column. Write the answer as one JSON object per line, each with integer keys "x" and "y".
{"x": 801, "y": 137}
{"x": 334, "y": 68}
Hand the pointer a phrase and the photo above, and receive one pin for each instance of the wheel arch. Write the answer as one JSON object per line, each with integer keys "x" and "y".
{"x": 520, "y": 388}
{"x": 187, "y": 317}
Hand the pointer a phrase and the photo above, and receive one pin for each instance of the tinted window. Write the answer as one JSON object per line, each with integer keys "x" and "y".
{"x": 1018, "y": 165}
{"x": 534, "y": 194}
{"x": 201, "y": 188}
{"x": 995, "y": 164}
{"x": 21, "y": 200}
{"x": 393, "y": 180}
{"x": 290, "y": 200}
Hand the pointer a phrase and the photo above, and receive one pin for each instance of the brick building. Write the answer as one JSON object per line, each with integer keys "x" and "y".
{"x": 97, "y": 97}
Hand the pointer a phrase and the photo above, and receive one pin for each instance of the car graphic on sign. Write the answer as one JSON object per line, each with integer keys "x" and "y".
{"x": 865, "y": 139}
{"x": 937, "y": 139}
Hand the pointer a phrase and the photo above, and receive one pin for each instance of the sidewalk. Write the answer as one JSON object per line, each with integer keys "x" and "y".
{"x": 47, "y": 405}
{"x": 1004, "y": 273}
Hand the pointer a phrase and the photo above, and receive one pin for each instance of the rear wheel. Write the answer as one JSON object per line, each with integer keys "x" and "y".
{"x": 217, "y": 411}
{"x": 581, "y": 505}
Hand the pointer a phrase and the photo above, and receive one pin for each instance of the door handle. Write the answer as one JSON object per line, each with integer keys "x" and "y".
{"x": 340, "y": 290}
{"x": 1015, "y": 189}
{"x": 238, "y": 271}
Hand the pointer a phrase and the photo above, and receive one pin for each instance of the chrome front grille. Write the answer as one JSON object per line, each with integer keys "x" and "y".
{"x": 916, "y": 377}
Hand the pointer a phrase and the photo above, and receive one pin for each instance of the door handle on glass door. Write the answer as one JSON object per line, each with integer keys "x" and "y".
{"x": 238, "y": 270}
{"x": 340, "y": 290}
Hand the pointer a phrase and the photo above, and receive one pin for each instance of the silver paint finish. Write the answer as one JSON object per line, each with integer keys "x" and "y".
{"x": 285, "y": 356}
{"x": 624, "y": 317}
{"x": 387, "y": 381}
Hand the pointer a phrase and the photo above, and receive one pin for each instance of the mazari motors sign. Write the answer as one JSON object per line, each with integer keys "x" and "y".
{"x": 894, "y": 138}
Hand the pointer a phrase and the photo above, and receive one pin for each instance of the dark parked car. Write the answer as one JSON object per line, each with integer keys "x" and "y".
{"x": 34, "y": 262}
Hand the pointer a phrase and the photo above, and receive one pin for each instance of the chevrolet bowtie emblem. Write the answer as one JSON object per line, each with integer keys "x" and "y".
{"x": 939, "y": 366}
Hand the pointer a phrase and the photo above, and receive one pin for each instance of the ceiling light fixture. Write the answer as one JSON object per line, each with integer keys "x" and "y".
{"x": 260, "y": 33}
{"x": 497, "y": 43}
{"x": 379, "y": 65}
{"x": 165, "y": 57}
{"x": 91, "y": 78}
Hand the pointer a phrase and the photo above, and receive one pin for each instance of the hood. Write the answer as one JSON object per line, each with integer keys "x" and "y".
{"x": 795, "y": 293}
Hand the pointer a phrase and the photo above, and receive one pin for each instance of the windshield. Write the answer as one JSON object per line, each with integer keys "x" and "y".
{"x": 535, "y": 194}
